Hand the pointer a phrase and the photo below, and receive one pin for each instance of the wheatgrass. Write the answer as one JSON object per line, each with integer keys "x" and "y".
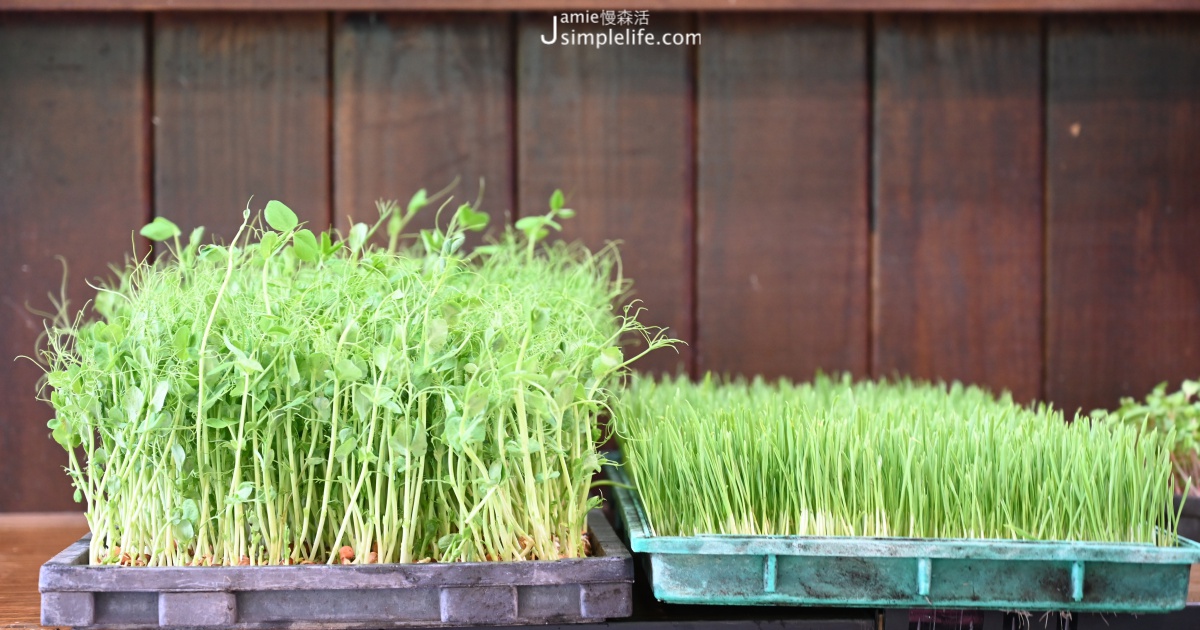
{"x": 836, "y": 457}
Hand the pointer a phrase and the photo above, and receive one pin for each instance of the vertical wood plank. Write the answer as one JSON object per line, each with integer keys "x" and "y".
{"x": 1123, "y": 193}
{"x": 782, "y": 192}
{"x": 612, "y": 127}
{"x": 241, "y": 109}
{"x": 419, "y": 100}
{"x": 958, "y": 200}
{"x": 73, "y": 182}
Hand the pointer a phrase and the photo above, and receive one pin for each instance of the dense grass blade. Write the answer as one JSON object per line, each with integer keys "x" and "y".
{"x": 836, "y": 457}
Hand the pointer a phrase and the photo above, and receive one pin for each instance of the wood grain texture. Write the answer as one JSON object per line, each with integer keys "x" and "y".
{"x": 241, "y": 109}
{"x": 1123, "y": 194}
{"x": 73, "y": 182}
{"x": 576, "y": 5}
{"x": 1194, "y": 584}
{"x": 958, "y": 199}
{"x": 26, "y": 542}
{"x": 420, "y": 100}
{"x": 782, "y": 192}
{"x": 612, "y": 127}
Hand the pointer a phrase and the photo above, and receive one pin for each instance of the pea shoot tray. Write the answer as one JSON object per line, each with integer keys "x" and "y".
{"x": 895, "y": 572}
{"x": 350, "y": 596}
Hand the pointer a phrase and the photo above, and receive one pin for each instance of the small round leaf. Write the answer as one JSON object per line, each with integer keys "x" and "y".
{"x": 280, "y": 217}
{"x": 160, "y": 229}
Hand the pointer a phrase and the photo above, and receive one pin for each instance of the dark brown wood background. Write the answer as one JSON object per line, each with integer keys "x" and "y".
{"x": 1008, "y": 200}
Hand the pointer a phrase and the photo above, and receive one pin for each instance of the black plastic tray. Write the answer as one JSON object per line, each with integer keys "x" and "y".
{"x": 342, "y": 596}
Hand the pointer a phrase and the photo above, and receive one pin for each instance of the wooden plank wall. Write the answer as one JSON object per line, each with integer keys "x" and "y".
{"x": 74, "y": 169}
{"x": 1013, "y": 201}
{"x": 782, "y": 206}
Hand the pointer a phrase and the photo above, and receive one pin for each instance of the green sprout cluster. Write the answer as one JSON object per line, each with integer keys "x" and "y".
{"x": 1173, "y": 416}
{"x": 836, "y": 457}
{"x": 294, "y": 398}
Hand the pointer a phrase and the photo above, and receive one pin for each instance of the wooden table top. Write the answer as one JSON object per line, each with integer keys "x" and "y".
{"x": 28, "y": 540}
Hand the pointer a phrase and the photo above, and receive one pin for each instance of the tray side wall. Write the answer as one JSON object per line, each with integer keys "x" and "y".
{"x": 536, "y": 592}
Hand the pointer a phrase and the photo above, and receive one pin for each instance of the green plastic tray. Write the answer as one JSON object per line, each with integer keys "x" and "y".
{"x": 904, "y": 572}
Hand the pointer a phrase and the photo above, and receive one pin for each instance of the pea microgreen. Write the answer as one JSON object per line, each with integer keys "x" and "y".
{"x": 290, "y": 397}
{"x": 1171, "y": 416}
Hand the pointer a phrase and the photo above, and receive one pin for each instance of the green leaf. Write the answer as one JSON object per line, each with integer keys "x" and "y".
{"x": 471, "y": 220}
{"x": 476, "y": 403}
{"x": 419, "y": 445}
{"x": 248, "y": 365}
{"x": 219, "y": 423}
{"x": 318, "y": 362}
{"x": 155, "y": 421}
{"x": 215, "y": 252}
{"x": 358, "y": 236}
{"x": 418, "y": 201}
{"x": 134, "y": 399}
{"x": 345, "y": 448}
{"x": 61, "y": 433}
{"x": 190, "y": 511}
{"x": 293, "y": 373}
{"x": 398, "y": 441}
{"x": 381, "y": 356}
{"x": 305, "y": 244}
{"x": 245, "y": 490}
{"x": 453, "y": 243}
{"x": 610, "y": 359}
{"x": 347, "y": 371}
{"x": 439, "y": 330}
{"x": 195, "y": 236}
{"x": 460, "y": 433}
{"x": 566, "y": 213}
{"x": 280, "y": 217}
{"x": 538, "y": 319}
{"x": 181, "y": 341}
{"x": 159, "y": 396}
{"x": 183, "y": 530}
{"x": 362, "y": 402}
{"x": 160, "y": 229}
{"x": 557, "y": 200}
{"x": 178, "y": 455}
{"x": 237, "y": 352}
{"x": 526, "y": 224}
{"x": 328, "y": 246}
{"x": 433, "y": 241}
{"x": 266, "y": 245}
